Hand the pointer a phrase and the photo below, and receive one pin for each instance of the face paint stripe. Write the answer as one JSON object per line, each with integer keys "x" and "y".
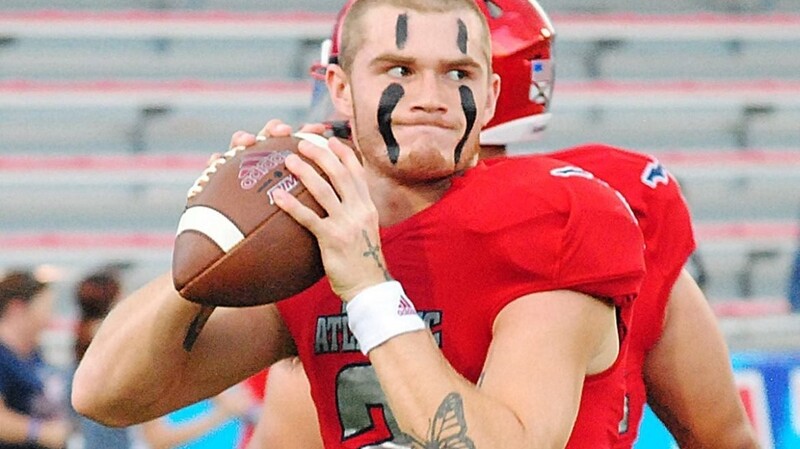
{"x": 470, "y": 112}
{"x": 401, "y": 31}
{"x": 463, "y": 35}
{"x": 389, "y": 99}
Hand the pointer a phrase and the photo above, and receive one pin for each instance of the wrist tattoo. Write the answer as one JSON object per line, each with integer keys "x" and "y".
{"x": 448, "y": 428}
{"x": 374, "y": 251}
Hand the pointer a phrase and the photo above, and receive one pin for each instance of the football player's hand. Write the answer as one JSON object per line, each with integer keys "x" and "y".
{"x": 348, "y": 236}
{"x": 273, "y": 128}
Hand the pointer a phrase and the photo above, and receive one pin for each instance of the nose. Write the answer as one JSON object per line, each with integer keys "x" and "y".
{"x": 430, "y": 94}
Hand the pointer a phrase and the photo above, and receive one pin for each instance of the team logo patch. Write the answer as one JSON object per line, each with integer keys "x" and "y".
{"x": 541, "y": 82}
{"x": 654, "y": 174}
{"x": 571, "y": 170}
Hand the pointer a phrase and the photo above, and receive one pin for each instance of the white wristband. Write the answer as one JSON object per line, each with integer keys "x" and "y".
{"x": 381, "y": 312}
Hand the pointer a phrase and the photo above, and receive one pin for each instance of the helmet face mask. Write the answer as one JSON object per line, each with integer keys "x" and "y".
{"x": 522, "y": 54}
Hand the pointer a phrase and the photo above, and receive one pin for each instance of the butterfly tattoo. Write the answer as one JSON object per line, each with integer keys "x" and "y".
{"x": 448, "y": 429}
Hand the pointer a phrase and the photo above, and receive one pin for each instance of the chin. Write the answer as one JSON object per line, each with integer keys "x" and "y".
{"x": 425, "y": 166}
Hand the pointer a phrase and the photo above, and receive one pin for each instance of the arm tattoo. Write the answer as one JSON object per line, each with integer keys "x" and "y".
{"x": 448, "y": 429}
{"x": 196, "y": 326}
{"x": 374, "y": 251}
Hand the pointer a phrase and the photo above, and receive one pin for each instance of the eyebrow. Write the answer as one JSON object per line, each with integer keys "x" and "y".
{"x": 393, "y": 58}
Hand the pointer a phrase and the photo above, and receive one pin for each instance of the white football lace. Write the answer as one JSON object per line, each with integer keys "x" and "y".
{"x": 197, "y": 187}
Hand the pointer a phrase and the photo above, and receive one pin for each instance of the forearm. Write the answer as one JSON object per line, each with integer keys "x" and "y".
{"x": 689, "y": 378}
{"x": 521, "y": 401}
{"x": 136, "y": 358}
{"x": 422, "y": 387}
{"x": 136, "y": 368}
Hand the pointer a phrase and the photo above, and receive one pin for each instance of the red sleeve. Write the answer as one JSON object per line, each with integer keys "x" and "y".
{"x": 664, "y": 217}
{"x": 602, "y": 247}
{"x": 563, "y": 230}
{"x": 654, "y": 196}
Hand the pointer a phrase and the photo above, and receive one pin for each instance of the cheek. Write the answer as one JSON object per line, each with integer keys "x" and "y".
{"x": 365, "y": 114}
{"x": 363, "y": 111}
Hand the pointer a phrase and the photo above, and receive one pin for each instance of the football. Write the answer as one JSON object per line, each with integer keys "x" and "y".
{"x": 234, "y": 247}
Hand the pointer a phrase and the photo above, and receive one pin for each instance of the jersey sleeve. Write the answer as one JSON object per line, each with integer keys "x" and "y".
{"x": 602, "y": 248}
{"x": 654, "y": 195}
{"x": 563, "y": 229}
{"x": 668, "y": 229}
{"x": 662, "y": 211}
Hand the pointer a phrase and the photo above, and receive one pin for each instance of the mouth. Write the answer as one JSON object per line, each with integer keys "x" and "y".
{"x": 424, "y": 124}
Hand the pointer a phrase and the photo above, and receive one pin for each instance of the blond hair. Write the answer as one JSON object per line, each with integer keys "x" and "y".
{"x": 352, "y": 31}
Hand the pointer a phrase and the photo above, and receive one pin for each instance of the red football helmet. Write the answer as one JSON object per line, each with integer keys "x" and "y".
{"x": 522, "y": 47}
{"x": 522, "y": 54}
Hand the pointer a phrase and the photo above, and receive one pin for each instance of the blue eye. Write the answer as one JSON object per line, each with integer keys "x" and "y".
{"x": 399, "y": 71}
{"x": 457, "y": 75}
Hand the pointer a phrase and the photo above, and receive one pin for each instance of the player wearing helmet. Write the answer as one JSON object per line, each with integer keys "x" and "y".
{"x": 677, "y": 359}
{"x": 513, "y": 325}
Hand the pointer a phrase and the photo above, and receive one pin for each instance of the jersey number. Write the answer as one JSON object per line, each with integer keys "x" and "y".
{"x": 363, "y": 411}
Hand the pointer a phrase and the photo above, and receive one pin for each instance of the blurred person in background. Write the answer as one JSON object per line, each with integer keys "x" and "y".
{"x": 209, "y": 424}
{"x": 678, "y": 360}
{"x": 95, "y": 295}
{"x": 288, "y": 417}
{"x": 255, "y": 385}
{"x": 30, "y": 418}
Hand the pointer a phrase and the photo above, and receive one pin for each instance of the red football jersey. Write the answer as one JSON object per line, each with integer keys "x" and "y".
{"x": 656, "y": 200}
{"x": 503, "y": 230}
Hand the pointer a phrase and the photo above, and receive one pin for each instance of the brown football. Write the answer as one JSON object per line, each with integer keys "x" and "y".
{"x": 236, "y": 248}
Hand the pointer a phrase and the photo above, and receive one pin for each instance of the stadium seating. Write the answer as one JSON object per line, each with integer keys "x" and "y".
{"x": 109, "y": 113}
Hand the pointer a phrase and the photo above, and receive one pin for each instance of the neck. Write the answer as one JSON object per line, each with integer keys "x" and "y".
{"x": 14, "y": 339}
{"x": 396, "y": 202}
{"x": 490, "y": 151}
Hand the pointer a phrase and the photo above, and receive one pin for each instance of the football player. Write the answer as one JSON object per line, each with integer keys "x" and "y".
{"x": 465, "y": 304}
{"x": 677, "y": 361}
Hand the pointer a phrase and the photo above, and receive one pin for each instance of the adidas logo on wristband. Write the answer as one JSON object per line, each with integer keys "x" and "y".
{"x": 381, "y": 312}
{"x": 405, "y": 307}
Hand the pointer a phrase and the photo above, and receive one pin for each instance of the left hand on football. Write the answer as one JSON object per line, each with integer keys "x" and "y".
{"x": 349, "y": 237}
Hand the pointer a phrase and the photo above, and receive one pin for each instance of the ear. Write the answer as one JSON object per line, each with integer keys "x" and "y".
{"x": 339, "y": 90}
{"x": 492, "y": 93}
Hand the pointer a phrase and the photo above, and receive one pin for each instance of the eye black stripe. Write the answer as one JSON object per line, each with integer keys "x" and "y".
{"x": 470, "y": 112}
{"x": 401, "y": 31}
{"x": 389, "y": 99}
{"x": 463, "y": 35}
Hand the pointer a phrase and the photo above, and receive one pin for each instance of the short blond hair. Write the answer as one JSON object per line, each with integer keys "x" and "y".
{"x": 352, "y": 33}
